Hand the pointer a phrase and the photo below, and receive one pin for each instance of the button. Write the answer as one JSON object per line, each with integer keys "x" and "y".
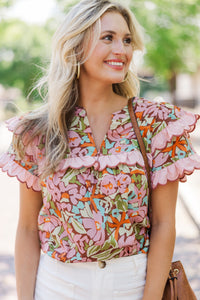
{"x": 101, "y": 264}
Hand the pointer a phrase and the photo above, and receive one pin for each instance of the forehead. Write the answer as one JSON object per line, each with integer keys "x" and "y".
{"x": 114, "y": 21}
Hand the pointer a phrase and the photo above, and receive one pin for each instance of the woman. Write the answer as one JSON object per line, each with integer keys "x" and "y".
{"x": 83, "y": 191}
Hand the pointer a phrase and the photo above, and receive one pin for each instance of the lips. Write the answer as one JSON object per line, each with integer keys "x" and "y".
{"x": 116, "y": 64}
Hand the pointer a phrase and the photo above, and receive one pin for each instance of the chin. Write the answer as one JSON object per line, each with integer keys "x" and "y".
{"x": 118, "y": 81}
{"x": 113, "y": 79}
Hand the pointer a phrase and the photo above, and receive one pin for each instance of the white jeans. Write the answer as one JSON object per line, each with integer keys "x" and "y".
{"x": 121, "y": 279}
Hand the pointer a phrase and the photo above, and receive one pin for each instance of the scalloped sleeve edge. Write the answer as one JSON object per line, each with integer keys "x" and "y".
{"x": 183, "y": 126}
{"x": 178, "y": 170}
{"x": 13, "y": 169}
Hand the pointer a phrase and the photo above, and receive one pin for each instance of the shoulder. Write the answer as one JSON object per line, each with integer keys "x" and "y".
{"x": 160, "y": 115}
{"x": 165, "y": 129}
{"x": 24, "y": 157}
{"x": 25, "y": 136}
{"x": 159, "y": 110}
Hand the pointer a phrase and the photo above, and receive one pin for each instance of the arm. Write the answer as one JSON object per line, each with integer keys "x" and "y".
{"x": 27, "y": 246}
{"x": 162, "y": 239}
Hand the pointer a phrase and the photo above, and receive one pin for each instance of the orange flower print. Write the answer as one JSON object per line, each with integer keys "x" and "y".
{"x": 117, "y": 224}
{"x": 108, "y": 185}
{"x": 147, "y": 128}
{"x": 91, "y": 144}
{"x": 177, "y": 144}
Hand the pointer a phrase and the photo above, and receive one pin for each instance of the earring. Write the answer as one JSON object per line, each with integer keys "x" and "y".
{"x": 125, "y": 78}
{"x": 78, "y": 70}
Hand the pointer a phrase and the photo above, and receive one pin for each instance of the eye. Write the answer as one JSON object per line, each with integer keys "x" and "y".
{"x": 128, "y": 41}
{"x": 108, "y": 37}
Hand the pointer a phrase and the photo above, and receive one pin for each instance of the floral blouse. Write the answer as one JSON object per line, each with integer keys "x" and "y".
{"x": 95, "y": 204}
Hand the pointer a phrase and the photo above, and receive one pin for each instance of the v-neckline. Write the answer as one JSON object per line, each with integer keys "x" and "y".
{"x": 99, "y": 150}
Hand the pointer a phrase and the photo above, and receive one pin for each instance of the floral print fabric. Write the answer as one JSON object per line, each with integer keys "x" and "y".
{"x": 95, "y": 205}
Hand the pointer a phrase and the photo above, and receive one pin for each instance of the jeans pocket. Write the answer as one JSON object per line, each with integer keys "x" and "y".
{"x": 52, "y": 291}
{"x": 51, "y": 284}
{"x": 135, "y": 293}
{"x": 130, "y": 283}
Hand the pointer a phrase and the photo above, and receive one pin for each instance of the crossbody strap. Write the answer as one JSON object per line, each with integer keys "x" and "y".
{"x": 140, "y": 141}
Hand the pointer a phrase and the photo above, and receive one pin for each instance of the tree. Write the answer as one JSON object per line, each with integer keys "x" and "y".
{"x": 65, "y": 5}
{"x": 6, "y": 3}
{"x": 172, "y": 36}
{"x": 23, "y": 48}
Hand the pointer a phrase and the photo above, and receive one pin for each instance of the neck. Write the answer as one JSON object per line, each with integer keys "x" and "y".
{"x": 95, "y": 96}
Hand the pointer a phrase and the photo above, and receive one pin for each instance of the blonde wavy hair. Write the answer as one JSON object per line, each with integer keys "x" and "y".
{"x": 52, "y": 120}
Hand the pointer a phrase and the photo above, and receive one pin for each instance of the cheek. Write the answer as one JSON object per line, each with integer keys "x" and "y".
{"x": 97, "y": 57}
{"x": 88, "y": 67}
{"x": 130, "y": 54}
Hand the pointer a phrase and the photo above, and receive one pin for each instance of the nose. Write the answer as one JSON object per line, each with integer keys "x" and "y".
{"x": 119, "y": 48}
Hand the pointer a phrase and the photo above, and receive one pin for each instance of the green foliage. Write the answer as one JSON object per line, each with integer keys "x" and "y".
{"x": 172, "y": 39}
{"x": 172, "y": 34}
{"x": 6, "y": 3}
{"x": 65, "y": 5}
{"x": 23, "y": 50}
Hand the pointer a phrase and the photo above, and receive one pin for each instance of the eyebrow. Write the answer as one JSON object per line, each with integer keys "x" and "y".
{"x": 113, "y": 32}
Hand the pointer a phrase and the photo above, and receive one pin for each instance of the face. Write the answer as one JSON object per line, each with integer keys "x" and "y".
{"x": 110, "y": 60}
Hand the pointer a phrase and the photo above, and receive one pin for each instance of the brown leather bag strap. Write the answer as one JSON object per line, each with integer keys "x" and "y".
{"x": 140, "y": 141}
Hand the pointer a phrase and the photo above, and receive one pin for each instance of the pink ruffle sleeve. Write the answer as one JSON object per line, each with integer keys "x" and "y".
{"x": 26, "y": 170}
{"x": 173, "y": 156}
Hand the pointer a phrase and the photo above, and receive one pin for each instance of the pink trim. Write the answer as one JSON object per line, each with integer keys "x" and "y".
{"x": 14, "y": 169}
{"x": 12, "y": 123}
{"x": 185, "y": 124}
{"x": 101, "y": 162}
{"x": 76, "y": 162}
{"x": 129, "y": 158}
{"x": 179, "y": 169}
